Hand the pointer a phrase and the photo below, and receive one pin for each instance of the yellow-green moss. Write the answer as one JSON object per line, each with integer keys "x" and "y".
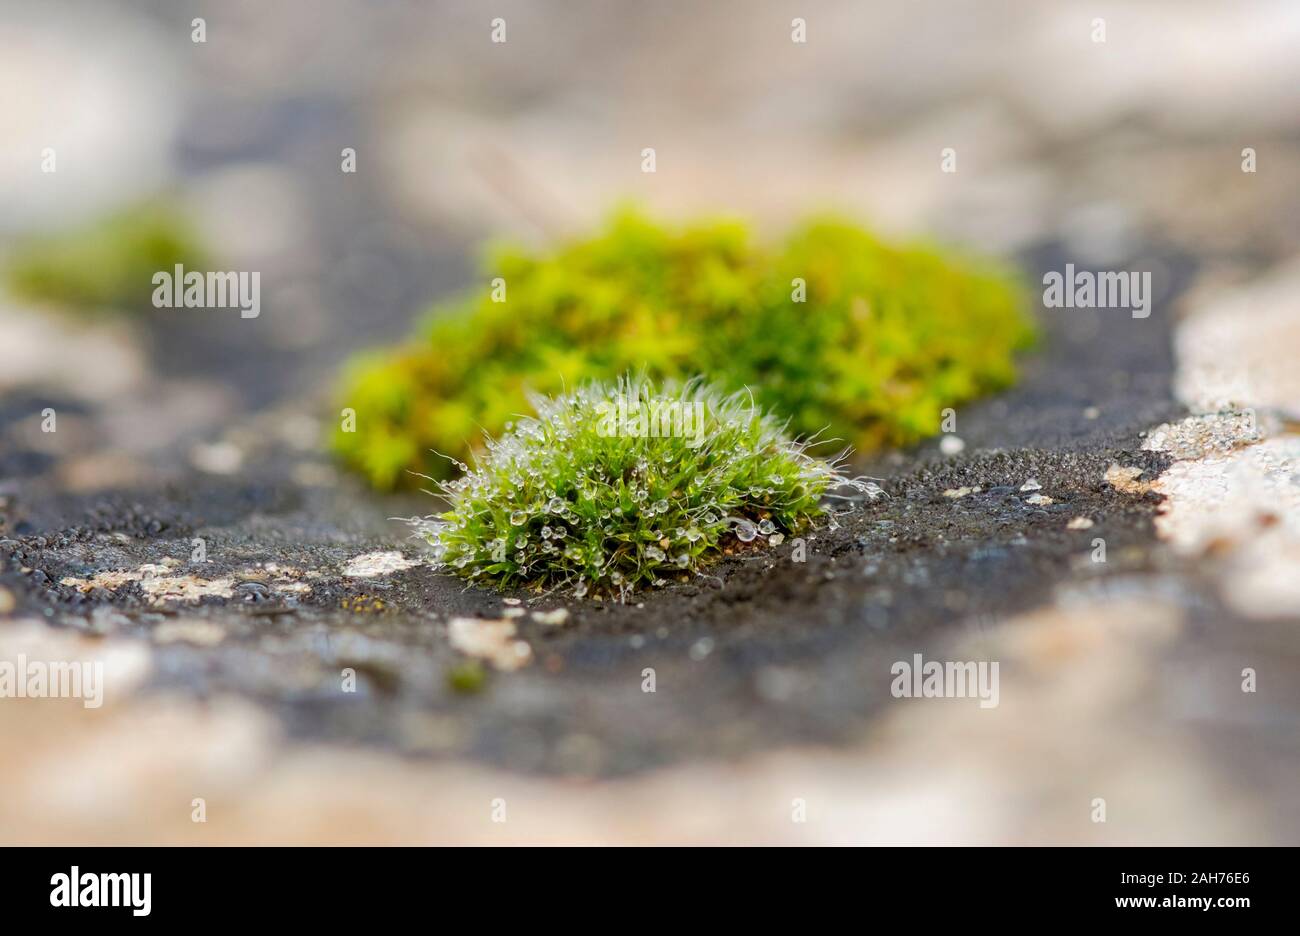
{"x": 885, "y": 339}
{"x": 108, "y": 264}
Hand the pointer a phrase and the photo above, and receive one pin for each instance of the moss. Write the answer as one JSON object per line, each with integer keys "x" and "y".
{"x": 885, "y": 339}
{"x": 109, "y": 264}
{"x": 616, "y": 486}
{"x": 467, "y": 677}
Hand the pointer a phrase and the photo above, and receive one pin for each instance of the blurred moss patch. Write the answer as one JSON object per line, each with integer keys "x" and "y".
{"x": 834, "y": 330}
{"x": 108, "y": 264}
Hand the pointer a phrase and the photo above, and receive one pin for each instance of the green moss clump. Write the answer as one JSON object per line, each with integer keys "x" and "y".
{"x": 885, "y": 338}
{"x": 109, "y": 264}
{"x": 616, "y": 486}
{"x": 467, "y": 677}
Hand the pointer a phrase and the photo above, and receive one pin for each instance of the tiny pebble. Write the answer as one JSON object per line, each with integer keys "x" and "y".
{"x": 951, "y": 445}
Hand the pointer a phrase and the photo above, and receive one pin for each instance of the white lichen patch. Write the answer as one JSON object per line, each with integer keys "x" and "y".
{"x": 1206, "y": 434}
{"x": 1234, "y": 496}
{"x": 1243, "y": 507}
{"x": 553, "y": 618}
{"x": 374, "y": 564}
{"x": 186, "y": 588}
{"x": 490, "y": 640}
{"x": 1238, "y": 347}
{"x": 1231, "y": 497}
{"x": 158, "y": 583}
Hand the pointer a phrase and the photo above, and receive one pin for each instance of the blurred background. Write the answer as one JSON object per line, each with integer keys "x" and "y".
{"x": 1127, "y": 151}
{"x": 459, "y": 140}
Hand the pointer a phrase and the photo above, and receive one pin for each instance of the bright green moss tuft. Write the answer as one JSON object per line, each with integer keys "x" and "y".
{"x": 107, "y": 265}
{"x": 885, "y": 339}
{"x": 616, "y": 486}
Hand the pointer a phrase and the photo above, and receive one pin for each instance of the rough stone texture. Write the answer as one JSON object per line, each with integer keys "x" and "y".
{"x": 183, "y": 527}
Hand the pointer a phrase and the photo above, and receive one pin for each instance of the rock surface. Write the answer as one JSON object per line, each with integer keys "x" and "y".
{"x": 280, "y": 664}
